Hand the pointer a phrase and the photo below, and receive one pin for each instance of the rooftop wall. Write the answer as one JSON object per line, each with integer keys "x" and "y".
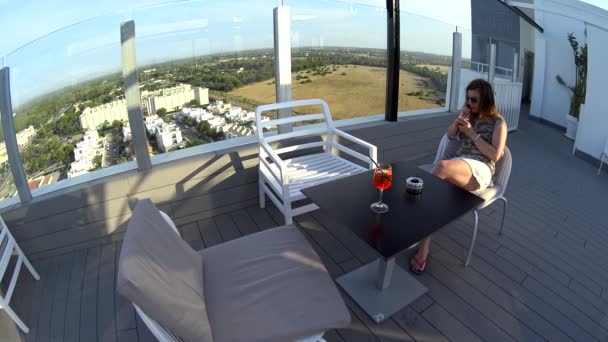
{"x": 558, "y": 60}
{"x": 593, "y": 125}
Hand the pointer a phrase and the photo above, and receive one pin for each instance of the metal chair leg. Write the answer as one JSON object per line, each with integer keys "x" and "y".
{"x": 31, "y": 269}
{"x": 504, "y": 213}
{"x": 13, "y": 315}
{"x": 466, "y": 263}
{"x": 262, "y": 195}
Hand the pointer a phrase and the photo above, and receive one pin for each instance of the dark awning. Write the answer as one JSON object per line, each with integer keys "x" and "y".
{"x": 522, "y": 15}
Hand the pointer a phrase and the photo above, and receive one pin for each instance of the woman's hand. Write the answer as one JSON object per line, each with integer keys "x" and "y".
{"x": 465, "y": 127}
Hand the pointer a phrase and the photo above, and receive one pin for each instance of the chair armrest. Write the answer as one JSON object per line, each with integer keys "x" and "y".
{"x": 282, "y": 177}
{"x": 373, "y": 150}
{"x": 273, "y": 156}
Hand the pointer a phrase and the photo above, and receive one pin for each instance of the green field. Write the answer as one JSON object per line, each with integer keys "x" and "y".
{"x": 350, "y": 90}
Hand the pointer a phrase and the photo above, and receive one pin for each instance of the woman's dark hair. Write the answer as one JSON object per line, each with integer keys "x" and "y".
{"x": 487, "y": 106}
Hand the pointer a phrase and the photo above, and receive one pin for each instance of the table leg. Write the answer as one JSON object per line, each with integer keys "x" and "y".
{"x": 381, "y": 288}
{"x": 385, "y": 273}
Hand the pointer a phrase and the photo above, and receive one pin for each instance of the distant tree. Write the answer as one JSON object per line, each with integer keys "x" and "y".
{"x": 194, "y": 103}
{"x": 161, "y": 111}
{"x": 195, "y": 142}
{"x": 203, "y": 128}
{"x": 216, "y": 135}
{"x": 97, "y": 162}
{"x": 190, "y": 121}
{"x": 121, "y": 160}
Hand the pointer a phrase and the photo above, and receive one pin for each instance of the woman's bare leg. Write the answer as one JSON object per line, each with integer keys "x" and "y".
{"x": 458, "y": 173}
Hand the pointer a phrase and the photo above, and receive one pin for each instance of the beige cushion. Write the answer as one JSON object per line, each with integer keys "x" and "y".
{"x": 488, "y": 193}
{"x": 160, "y": 273}
{"x": 270, "y": 286}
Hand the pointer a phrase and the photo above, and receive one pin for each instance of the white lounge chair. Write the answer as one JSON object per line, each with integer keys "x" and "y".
{"x": 494, "y": 192}
{"x": 268, "y": 286}
{"x": 282, "y": 180}
{"x": 8, "y": 249}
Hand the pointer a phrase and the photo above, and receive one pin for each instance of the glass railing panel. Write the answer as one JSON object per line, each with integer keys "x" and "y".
{"x": 7, "y": 184}
{"x": 505, "y": 56}
{"x": 339, "y": 55}
{"x": 480, "y": 53}
{"x": 67, "y": 95}
{"x": 467, "y": 46}
{"x": 203, "y": 68}
{"x": 426, "y": 56}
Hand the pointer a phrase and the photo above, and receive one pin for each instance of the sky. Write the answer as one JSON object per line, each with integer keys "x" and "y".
{"x": 67, "y": 46}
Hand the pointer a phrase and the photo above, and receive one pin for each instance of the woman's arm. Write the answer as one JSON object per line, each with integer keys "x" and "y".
{"x": 494, "y": 150}
{"x": 453, "y": 128}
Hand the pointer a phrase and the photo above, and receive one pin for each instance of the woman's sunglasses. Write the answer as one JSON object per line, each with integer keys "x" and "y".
{"x": 472, "y": 99}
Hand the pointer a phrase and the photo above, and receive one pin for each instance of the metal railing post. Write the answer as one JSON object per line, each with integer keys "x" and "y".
{"x": 393, "y": 46}
{"x": 492, "y": 64}
{"x": 515, "y": 67}
{"x": 282, "y": 62}
{"x": 456, "y": 66}
{"x": 131, "y": 84}
{"x": 10, "y": 138}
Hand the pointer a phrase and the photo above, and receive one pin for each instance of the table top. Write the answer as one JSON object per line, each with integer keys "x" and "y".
{"x": 410, "y": 218}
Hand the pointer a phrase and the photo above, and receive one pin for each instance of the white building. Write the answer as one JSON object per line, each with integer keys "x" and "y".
{"x": 219, "y": 107}
{"x": 217, "y": 122}
{"x": 25, "y": 136}
{"x": 93, "y": 117}
{"x": 168, "y": 136}
{"x": 173, "y": 98}
{"x": 233, "y": 113}
{"x": 206, "y": 116}
{"x": 85, "y": 153}
{"x": 152, "y": 122}
{"x": 247, "y": 117}
{"x": 126, "y": 133}
{"x": 170, "y": 99}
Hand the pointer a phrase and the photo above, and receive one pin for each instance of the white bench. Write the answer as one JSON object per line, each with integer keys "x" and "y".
{"x": 282, "y": 180}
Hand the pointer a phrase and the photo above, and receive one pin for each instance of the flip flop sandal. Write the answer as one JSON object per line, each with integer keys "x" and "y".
{"x": 420, "y": 263}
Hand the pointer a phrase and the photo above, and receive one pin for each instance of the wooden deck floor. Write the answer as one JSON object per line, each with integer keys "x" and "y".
{"x": 544, "y": 279}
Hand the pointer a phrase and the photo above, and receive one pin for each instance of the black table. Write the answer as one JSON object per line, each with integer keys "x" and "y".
{"x": 379, "y": 287}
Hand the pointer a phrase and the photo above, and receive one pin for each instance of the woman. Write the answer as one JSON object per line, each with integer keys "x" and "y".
{"x": 482, "y": 134}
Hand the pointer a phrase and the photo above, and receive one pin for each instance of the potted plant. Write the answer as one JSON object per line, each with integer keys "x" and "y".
{"x": 577, "y": 91}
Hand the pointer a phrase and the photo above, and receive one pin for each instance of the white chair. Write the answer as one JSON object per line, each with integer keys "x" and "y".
{"x": 164, "y": 335}
{"x": 492, "y": 193}
{"x": 286, "y": 178}
{"x": 286, "y": 294}
{"x": 602, "y": 157}
{"x": 9, "y": 248}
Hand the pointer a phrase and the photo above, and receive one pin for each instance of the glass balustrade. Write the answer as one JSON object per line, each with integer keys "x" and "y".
{"x": 203, "y": 67}
{"x": 426, "y": 56}
{"x": 339, "y": 55}
{"x": 68, "y": 101}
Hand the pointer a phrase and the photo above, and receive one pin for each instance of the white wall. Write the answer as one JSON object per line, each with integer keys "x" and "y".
{"x": 593, "y": 123}
{"x": 559, "y": 60}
